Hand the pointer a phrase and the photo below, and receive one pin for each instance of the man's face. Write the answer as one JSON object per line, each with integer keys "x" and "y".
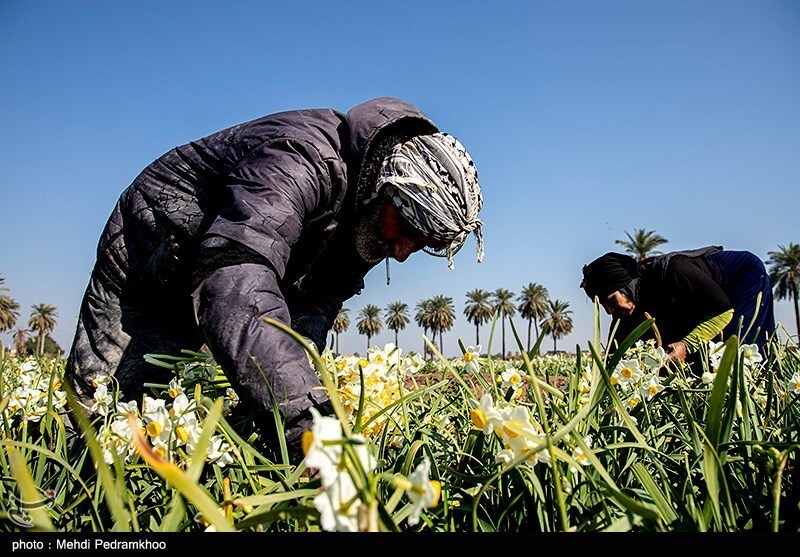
{"x": 618, "y": 305}
{"x": 383, "y": 232}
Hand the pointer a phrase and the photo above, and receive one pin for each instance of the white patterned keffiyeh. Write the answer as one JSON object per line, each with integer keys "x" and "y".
{"x": 433, "y": 182}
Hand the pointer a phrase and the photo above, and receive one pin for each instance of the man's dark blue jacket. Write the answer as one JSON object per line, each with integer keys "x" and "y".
{"x": 255, "y": 220}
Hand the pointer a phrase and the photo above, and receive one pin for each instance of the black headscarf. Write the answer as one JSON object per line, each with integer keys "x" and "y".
{"x": 609, "y": 273}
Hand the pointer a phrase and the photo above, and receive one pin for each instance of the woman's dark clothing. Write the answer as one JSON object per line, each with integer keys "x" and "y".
{"x": 683, "y": 289}
{"x": 743, "y": 278}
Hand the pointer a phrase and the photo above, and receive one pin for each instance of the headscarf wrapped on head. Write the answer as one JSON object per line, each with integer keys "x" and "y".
{"x": 609, "y": 273}
{"x": 433, "y": 182}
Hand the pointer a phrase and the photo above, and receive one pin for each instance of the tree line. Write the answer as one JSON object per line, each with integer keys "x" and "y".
{"x": 436, "y": 315}
{"x": 41, "y": 323}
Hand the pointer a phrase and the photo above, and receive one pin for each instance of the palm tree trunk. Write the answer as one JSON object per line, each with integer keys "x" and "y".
{"x": 796, "y": 311}
{"x": 441, "y": 343}
{"x": 477, "y": 334}
{"x": 396, "y": 342}
{"x": 368, "y": 339}
{"x": 337, "y": 343}
{"x": 529, "y": 335}
{"x": 503, "y": 326}
{"x": 41, "y": 343}
{"x": 536, "y": 330}
{"x": 554, "y": 343}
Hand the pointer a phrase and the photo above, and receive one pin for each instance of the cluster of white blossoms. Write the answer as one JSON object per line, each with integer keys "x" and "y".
{"x": 749, "y": 354}
{"x": 27, "y": 384}
{"x": 338, "y": 502}
{"x": 636, "y": 375}
{"x": 511, "y": 379}
{"x": 339, "y": 459}
{"x": 173, "y": 426}
{"x": 384, "y": 371}
{"x": 513, "y": 425}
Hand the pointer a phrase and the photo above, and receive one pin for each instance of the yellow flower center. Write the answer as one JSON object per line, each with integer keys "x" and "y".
{"x": 378, "y": 359}
{"x": 478, "y": 418}
{"x": 341, "y": 365}
{"x": 581, "y": 457}
{"x": 173, "y": 392}
{"x": 468, "y": 357}
{"x": 633, "y": 402}
{"x": 626, "y": 372}
{"x": 585, "y": 389}
{"x": 653, "y": 389}
{"x": 306, "y": 441}
{"x": 362, "y": 363}
{"x": 182, "y": 434}
{"x": 437, "y": 491}
{"x": 154, "y": 429}
{"x": 797, "y": 385}
{"x": 508, "y": 431}
{"x": 515, "y": 379}
{"x": 614, "y": 380}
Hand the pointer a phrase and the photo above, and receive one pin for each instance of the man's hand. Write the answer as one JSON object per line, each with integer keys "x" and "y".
{"x": 676, "y": 352}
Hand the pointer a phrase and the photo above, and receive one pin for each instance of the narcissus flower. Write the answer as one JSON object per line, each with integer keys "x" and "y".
{"x": 715, "y": 352}
{"x": 511, "y": 378}
{"x": 750, "y": 355}
{"x": 579, "y": 456}
{"x": 219, "y": 452}
{"x": 627, "y": 372}
{"x": 470, "y": 358}
{"x": 793, "y": 384}
{"x": 656, "y": 359}
{"x": 424, "y": 492}
{"x": 708, "y": 377}
{"x": 651, "y": 387}
{"x": 484, "y": 415}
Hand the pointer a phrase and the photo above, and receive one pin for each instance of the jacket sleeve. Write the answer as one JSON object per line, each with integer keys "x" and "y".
{"x": 315, "y": 303}
{"x": 270, "y": 194}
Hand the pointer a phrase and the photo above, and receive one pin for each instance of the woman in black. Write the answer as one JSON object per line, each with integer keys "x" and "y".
{"x": 693, "y": 295}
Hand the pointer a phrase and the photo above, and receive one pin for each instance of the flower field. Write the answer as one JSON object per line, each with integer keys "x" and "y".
{"x": 600, "y": 440}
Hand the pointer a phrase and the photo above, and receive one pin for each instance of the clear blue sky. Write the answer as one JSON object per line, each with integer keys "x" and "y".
{"x": 585, "y": 119}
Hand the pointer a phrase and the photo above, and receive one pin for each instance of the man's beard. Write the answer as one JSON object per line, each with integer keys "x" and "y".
{"x": 369, "y": 246}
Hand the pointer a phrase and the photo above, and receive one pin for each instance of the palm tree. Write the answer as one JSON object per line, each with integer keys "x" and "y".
{"x": 423, "y": 318}
{"x": 503, "y": 303}
{"x": 20, "y": 338}
{"x": 784, "y": 273}
{"x": 642, "y": 244}
{"x": 42, "y": 321}
{"x": 559, "y": 320}
{"x": 340, "y": 324}
{"x": 443, "y": 316}
{"x": 533, "y": 306}
{"x": 9, "y": 309}
{"x": 396, "y": 318}
{"x": 478, "y": 310}
{"x": 370, "y": 323}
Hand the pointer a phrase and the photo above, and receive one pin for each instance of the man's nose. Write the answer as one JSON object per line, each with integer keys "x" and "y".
{"x": 404, "y": 248}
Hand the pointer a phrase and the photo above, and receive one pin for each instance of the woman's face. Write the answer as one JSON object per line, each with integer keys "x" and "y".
{"x": 618, "y": 305}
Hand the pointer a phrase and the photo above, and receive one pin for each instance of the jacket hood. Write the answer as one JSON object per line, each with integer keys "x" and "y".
{"x": 370, "y": 122}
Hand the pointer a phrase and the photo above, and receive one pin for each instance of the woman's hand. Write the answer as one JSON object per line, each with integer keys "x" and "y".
{"x": 676, "y": 352}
